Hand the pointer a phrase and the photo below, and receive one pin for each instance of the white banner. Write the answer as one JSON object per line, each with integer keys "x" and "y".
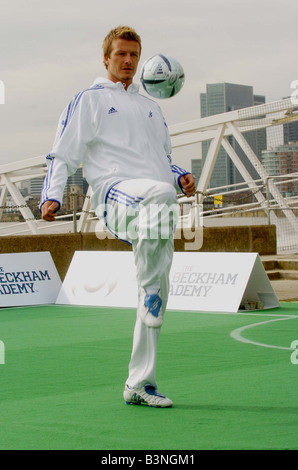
{"x": 203, "y": 282}
{"x": 101, "y": 278}
{"x": 219, "y": 282}
{"x": 28, "y": 279}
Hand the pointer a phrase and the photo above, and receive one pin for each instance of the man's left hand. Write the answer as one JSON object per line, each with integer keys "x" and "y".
{"x": 187, "y": 182}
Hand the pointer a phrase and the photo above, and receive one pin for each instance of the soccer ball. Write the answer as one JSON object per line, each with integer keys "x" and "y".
{"x": 162, "y": 76}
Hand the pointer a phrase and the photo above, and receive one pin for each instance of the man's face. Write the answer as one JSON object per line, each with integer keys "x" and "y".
{"x": 123, "y": 61}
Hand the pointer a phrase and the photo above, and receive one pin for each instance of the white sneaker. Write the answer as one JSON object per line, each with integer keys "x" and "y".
{"x": 150, "y": 309}
{"x": 147, "y": 395}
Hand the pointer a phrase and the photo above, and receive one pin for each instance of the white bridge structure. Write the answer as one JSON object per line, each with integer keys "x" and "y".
{"x": 271, "y": 205}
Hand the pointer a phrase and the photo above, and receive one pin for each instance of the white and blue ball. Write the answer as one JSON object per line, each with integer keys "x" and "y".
{"x": 162, "y": 76}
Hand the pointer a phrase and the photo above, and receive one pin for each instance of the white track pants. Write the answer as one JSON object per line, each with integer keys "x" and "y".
{"x": 144, "y": 213}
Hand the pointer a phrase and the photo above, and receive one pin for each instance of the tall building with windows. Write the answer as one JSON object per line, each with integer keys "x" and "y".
{"x": 221, "y": 98}
{"x": 291, "y": 132}
{"x": 196, "y": 168}
{"x": 283, "y": 160}
{"x": 36, "y": 187}
{"x": 75, "y": 180}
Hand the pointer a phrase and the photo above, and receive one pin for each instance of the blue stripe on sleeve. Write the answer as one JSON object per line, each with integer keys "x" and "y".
{"x": 178, "y": 170}
{"x": 74, "y": 104}
{"x": 47, "y": 182}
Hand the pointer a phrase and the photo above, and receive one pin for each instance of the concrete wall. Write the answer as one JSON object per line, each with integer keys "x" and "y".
{"x": 258, "y": 239}
{"x": 252, "y": 239}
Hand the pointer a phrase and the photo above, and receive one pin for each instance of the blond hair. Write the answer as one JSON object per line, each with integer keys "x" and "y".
{"x": 121, "y": 32}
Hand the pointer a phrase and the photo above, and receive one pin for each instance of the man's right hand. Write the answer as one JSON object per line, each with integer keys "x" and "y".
{"x": 48, "y": 210}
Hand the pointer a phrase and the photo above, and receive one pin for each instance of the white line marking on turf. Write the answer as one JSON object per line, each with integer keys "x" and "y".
{"x": 237, "y": 334}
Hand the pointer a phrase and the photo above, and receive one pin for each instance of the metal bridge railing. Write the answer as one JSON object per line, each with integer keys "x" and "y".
{"x": 253, "y": 201}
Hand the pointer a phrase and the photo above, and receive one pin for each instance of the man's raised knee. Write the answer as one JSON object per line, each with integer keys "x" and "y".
{"x": 165, "y": 193}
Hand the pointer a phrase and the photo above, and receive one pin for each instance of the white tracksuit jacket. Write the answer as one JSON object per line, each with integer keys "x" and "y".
{"x": 116, "y": 135}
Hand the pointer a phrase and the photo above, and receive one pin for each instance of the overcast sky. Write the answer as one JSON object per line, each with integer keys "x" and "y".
{"x": 52, "y": 49}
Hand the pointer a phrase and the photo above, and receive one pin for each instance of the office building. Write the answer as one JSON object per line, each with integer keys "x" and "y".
{"x": 36, "y": 187}
{"x": 283, "y": 160}
{"x": 77, "y": 180}
{"x": 291, "y": 132}
{"x": 221, "y": 98}
{"x": 196, "y": 168}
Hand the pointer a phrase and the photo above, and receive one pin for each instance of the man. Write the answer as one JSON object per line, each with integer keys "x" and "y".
{"x": 123, "y": 142}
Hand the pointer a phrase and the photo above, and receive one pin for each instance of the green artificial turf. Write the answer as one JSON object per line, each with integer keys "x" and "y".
{"x": 65, "y": 368}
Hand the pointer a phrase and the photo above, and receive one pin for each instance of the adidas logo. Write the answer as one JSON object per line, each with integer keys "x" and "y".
{"x": 112, "y": 110}
{"x": 155, "y": 305}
